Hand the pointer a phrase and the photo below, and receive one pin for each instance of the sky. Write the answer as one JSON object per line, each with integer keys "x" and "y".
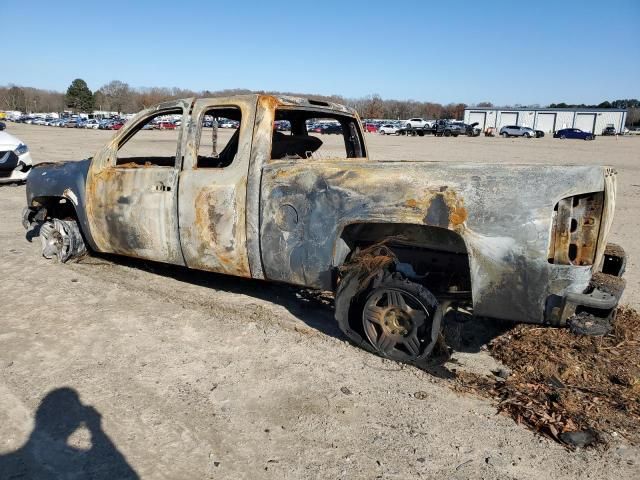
{"x": 505, "y": 52}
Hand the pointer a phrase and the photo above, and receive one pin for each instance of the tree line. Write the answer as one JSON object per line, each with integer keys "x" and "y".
{"x": 118, "y": 96}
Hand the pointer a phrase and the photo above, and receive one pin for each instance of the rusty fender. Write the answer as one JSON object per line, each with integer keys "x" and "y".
{"x": 61, "y": 180}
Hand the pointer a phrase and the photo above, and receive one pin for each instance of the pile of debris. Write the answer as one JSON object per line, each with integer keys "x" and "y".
{"x": 578, "y": 390}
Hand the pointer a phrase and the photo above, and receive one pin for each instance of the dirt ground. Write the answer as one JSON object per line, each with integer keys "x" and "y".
{"x": 158, "y": 372}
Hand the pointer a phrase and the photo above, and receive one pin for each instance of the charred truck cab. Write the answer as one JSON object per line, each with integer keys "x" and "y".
{"x": 400, "y": 243}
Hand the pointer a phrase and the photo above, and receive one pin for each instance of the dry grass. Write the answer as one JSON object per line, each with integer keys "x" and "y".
{"x": 561, "y": 382}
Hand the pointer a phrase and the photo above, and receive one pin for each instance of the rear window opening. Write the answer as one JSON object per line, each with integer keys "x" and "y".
{"x": 305, "y": 134}
{"x": 219, "y": 137}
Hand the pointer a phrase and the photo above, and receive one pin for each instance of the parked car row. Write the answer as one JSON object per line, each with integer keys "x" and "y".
{"x": 413, "y": 126}
{"x": 73, "y": 122}
{"x": 455, "y": 128}
{"x": 440, "y": 128}
{"x": 324, "y": 128}
{"x": 222, "y": 123}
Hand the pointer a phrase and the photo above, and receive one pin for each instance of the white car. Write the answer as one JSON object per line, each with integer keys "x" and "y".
{"x": 15, "y": 159}
{"x": 389, "y": 129}
{"x": 91, "y": 123}
{"x": 418, "y": 123}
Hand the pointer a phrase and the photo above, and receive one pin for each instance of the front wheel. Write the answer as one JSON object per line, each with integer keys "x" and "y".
{"x": 447, "y": 133}
{"x": 382, "y": 132}
{"x": 562, "y": 137}
{"x": 505, "y": 135}
{"x": 61, "y": 240}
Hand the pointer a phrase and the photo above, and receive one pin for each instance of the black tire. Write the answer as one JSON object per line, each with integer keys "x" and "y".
{"x": 391, "y": 316}
{"x": 455, "y": 135}
{"x": 504, "y": 135}
{"x": 562, "y": 137}
{"x": 447, "y": 133}
{"x": 382, "y": 132}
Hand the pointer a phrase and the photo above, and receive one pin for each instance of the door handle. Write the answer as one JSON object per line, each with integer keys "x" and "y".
{"x": 161, "y": 187}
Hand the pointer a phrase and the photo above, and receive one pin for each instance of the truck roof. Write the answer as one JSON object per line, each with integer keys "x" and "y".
{"x": 290, "y": 101}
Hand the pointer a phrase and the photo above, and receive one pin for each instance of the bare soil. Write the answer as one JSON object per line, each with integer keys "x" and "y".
{"x": 196, "y": 375}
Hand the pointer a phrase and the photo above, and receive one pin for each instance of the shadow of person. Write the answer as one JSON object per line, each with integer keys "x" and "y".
{"x": 47, "y": 453}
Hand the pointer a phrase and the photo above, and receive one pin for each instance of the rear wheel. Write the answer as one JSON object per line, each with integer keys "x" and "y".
{"x": 387, "y": 314}
{"x": 397, "y": 318}
{"x": 447, "y": 133}
{"x": 61, "y": 240}
{"x": 563, "y": 137}
{"x": 382, "y": 132}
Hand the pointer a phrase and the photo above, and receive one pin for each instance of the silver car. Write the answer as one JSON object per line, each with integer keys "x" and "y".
{"x": 516, "y": 131}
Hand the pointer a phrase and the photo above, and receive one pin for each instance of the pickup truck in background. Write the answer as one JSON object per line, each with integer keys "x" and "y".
{"x": 400, "y": 243}
{"x": 448, "y": 128}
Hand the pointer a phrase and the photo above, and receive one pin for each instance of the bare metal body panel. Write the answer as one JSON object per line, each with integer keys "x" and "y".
{"x": 282, "y": 220}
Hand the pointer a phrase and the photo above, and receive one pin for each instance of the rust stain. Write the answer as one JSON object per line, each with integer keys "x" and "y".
{"x": 411, "y": 203}
{"x": 220, "y": 244}
{"x": 458, "y": 215}
{"x": 135, "y": 165}
{"x": 268, "y": 102}
{"x": 205, "y": 218}
{"x": 575, "y": 229}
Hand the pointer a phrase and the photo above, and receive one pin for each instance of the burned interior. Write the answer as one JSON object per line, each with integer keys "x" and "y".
{"x": 212, "y": 151}
{"x": 299, "y": 141}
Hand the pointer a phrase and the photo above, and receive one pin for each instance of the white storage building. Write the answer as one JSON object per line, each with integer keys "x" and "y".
{"x": 548, "y": 120}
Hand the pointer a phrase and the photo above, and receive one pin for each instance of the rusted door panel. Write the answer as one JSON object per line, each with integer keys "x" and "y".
{"x": 499, "y": 211}
{"x": 133, "y": 210}
{"x": 211, "y": 209}
{"x": 134, "y": 213}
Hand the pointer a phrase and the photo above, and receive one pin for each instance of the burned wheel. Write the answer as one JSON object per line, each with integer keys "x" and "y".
{"x": 61, "y": 240}
{"x": 397, "y": 319}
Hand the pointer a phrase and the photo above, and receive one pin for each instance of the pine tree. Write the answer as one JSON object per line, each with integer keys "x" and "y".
{"x": 79, "y": 97}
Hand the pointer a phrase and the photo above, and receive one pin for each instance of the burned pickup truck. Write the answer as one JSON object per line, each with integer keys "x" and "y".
{"x": 400, "y": 243}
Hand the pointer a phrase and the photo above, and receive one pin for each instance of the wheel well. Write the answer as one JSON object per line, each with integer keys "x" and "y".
{"x": 438, "y": 256}
{"x": 56, "y": 207}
